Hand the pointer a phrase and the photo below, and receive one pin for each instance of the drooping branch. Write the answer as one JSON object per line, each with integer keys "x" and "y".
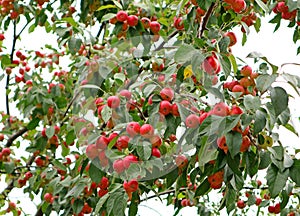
{"x": 15, "y": 136}
{"x": 173, "y": 34}
{"x": 205, "y": 20}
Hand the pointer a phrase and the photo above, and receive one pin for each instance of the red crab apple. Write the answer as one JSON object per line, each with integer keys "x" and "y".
{"x": 155, "y": 141}
{"x": 175, "y": 111}
{"x": 104, "y": 183}
{"x": 1, "y": 137}
{"x": 192, "y": 121}
{"x": 211, "y": 65}
{"x": 2, "y": 37}
{"x": 132, "y": 20}
{"x": 6, "y": 152}
{"x": 245, "y": 144}
{"x": 113, "y": 101}
{"x": 122, "y": 16}
{"x": 258, "y": 201}
{"x": 48, "y": 197}
{"x": 232, "y": 38}
{"x": 122, "y": 142}
{"x": 129, "y": 159}
{"x": 220, "y": 109}
{"x": 91, "y": 151}
{"x": 156, "y": 152}
{"x": 236, "y": 110}
{"x": 246, "y": 70}
{"x": 118, "y": 166}
{"x": 125, "y": 93}
{"x": 133, "y": 129}
{"x": 167, "y": 94}
{"x": 154, "y": 27}
{"x": 145, "y": 22}
{"x": 181, "y": 161}
{"x": 102, "y": 142}
{"x": 131, "y": 186}
{"x": 165, "y": 107}
{"x": 238, "y": 88}
{"x": 238, "y": 6}
{"x": 241, "y": 204}
{"x": 147, "y": 130}
{"x": 178, "y": 23}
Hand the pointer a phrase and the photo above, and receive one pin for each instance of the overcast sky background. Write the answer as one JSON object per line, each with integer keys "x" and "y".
{"x": 277, "y": 47}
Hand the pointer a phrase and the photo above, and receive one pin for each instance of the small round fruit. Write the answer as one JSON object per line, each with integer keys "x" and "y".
{"x": 192, "y": 121}
{"x": 167, "y": 94}
{"x": 132, "y": 20}
{"x": 165, "y": 107}
{"x": 241, "y": 204}
{"x": 113, "y": 101}
{"x": 154, "y": 27}
{"x": 122, "y": 16}
{"x": 232, "y": 38}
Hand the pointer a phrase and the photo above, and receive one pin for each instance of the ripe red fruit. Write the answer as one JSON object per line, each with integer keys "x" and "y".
{"x": 277, "y": 208}
{"x": 122, "y": 16}
{"x": 241, "y": 204}
{"x": 156, "y": 152}
{"x": 211, "y": 65}
{"x": 91, "y": 151}
{"x": 165, "y": 107}
{"x": 178, "y": 23}
{"x": 113, "y": 101}
{"x": 258, "y": 201}
{"x": 2, "y": 37}
{"x": 192, "y": 121}
{"x": 246, "y": 71}
{"x": 167, "y": 94}
{"x": 28, "y": 175}
{"x": 220, "y": 109}
{"x": 125, "y": 93}
{"x": 238, "y": 88}
{"x": 122, "y": 142}
{"x": 104, "y": 183}
{"x": 174, "y": 110}
{"x": 154, "y": 27}
{"x": 1, "y": 137}
{"x": 48, "y": 197}
{"x": 238, "y": 6}
{"x": 271, "y": 209}
{"x": 236, "y": 110}
{"x": 258, "y": 182}
{"x": 133, "y": 129}
{"x": 232, "y": 38}
{"x": 6, "y": 152}
{"x": 221, "y": 142}
{"x": 245, "y": 144}
{"x": 129, "y": 159}
{"x": 132, "y": 20}
{"x": 155, "y": 141}
{"x": 147, "y": 130}
{"x": 202, "y": 117}
{"x": 118, "y": 166}
{"x": 181, "y": 161}
{"x": 102, "y": 142}
{"x": 146, "y": 22}
{"x": 131, "y": 186}
{"x": 230, "y": 85}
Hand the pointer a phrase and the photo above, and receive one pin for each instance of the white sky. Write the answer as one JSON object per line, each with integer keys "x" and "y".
{"x": 277, "y": 47}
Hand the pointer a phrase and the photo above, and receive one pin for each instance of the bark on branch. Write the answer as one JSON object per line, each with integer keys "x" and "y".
{"x": 15, "y": 136}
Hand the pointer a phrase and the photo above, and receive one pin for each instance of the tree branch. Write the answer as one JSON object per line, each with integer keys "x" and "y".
{"x": 162, "y": 193}
{"x": 15, "y": 136}
{"x": 205, "y": 20}
{"x": 173, "y": 34}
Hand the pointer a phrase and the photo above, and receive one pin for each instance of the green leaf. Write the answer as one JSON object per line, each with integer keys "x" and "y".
{"x": 294, "y": 172}
{"x": 291, "y": 128}
{"x": 184, "y": 53}
{"x": 74, "y": 45}
{"x": 108, "y": 16}
{"x": 76, "y": 190}
{"x": 252, "y": 102}
{"x": 225, "y": 65}
{"x": 279, "y": 99}
{"x": 206, "y": 154}
{"x": 264, "y": 81}
{"x": 260, "y": 121}
{"x": 144, "y": 150}
{"x": 71, "y": 136}
{"x": 148, "y": 90}
{"x": 9, "y": 167}
{"x": 5, "y": 61}
{"x": 106, "y": 113}
{"x": 117, "y": 4}
{"x": 103, "y": 7}
{"x": 203, "y": 188}
{"x": 263, "y": 6}
{"x": 101, "y": 202}
{"x": 230, "y": 199}
{"x": 59, "y": 165}
{"x": 33, "y": 123}
{"x": 133, "y": 207}
{"x": 95, "y": 173}
{"x": 233, "y": 63}
{"x": 77, "y": 206}
{"x": 50, "y": 131}
{"x": 234, "y": 142}
{"x": 276, "y": 180}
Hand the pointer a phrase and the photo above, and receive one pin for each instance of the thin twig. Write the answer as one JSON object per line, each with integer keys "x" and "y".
{"x": 15, "y": 136}
{"x": 103, "y": 26}
{"x": 162, "y": 193}
{"x": 205, "y": 20}
{"x": 173, "y": 34}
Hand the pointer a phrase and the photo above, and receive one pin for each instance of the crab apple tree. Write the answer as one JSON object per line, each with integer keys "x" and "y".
{"x": 135, "y": 100}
